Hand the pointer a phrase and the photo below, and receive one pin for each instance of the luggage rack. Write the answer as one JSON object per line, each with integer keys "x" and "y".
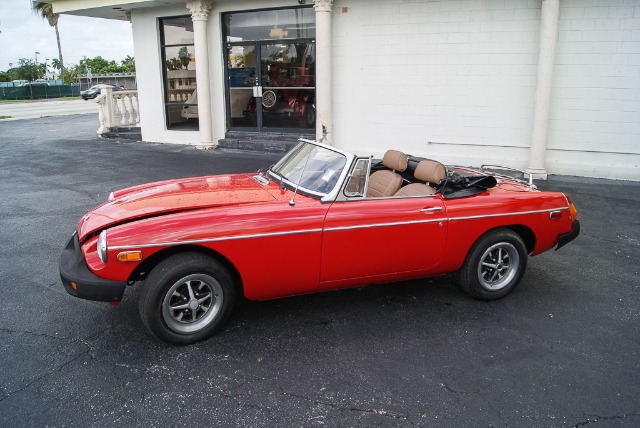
{"x": 528, "y": 181}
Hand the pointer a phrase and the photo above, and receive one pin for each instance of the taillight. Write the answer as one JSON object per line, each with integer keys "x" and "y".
{"x": 572, "y": 209}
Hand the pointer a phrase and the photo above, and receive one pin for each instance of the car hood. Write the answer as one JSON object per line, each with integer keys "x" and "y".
{"x": 154, "y": 199}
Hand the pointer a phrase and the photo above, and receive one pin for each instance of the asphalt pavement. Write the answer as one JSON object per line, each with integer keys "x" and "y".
{"x": 563, "y": 350}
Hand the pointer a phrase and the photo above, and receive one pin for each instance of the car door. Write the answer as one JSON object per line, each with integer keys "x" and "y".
{"x": 382, "y": 238}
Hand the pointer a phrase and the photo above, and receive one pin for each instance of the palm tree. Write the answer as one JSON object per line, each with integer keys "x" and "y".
{"x": 45, "y": 10}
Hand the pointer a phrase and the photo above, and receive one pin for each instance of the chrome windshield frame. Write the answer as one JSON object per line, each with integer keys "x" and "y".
{"x": 324, "y": 197}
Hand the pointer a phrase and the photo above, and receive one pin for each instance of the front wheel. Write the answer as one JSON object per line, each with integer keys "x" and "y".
{"x": 494, "y": 266}
{"x": 186, "y": 298}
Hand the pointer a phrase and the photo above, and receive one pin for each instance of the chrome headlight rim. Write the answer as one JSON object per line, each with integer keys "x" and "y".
{"x": 102, "y": 246}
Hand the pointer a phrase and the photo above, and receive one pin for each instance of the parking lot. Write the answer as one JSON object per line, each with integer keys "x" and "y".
{"x": 563, "y": 350}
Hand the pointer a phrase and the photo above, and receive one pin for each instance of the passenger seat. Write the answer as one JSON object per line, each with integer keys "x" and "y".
{"x": 429, "y": 171}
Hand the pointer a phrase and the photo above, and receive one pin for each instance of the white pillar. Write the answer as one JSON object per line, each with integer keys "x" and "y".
{"x": 546, "y": 60}
{"x": 199, "y": 14}
{"x": 324, "y": 42}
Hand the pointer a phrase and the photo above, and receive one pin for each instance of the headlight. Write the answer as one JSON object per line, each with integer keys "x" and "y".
{"x": 111, "y": 197}
{"x": 102, "y": 246}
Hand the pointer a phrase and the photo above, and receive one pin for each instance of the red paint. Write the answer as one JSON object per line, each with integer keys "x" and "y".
{"x": 281, "y": 250}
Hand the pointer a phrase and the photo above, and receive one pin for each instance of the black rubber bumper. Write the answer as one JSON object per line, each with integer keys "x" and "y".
{"x": 80, "y": 282}
{"x": 568, "y": 237}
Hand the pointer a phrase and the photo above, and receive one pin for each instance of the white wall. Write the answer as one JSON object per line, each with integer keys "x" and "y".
{"x": 455, "y": 80}
{"x": 595, "y": 121}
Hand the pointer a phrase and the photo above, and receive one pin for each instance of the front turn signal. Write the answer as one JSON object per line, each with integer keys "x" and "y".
{"x": 130, "y": 256}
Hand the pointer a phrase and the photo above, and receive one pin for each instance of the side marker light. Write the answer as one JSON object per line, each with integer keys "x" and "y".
{"x": 130, "y": 256}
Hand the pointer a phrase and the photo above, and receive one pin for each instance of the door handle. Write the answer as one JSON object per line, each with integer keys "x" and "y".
{"x": 431, "y": 210}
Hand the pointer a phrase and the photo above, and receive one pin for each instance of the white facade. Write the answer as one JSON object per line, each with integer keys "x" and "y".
{"x": 454, "y": 80}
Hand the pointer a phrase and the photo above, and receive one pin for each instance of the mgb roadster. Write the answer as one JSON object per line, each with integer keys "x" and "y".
{"x": 320, "y": 219}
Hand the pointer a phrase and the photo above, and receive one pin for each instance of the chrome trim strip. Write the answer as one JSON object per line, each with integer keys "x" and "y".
{"x": 473, "y": 217}
{"x": 225, "y": 238}
{"x": 376, "y": 225}
{"x": 331, "y": 229}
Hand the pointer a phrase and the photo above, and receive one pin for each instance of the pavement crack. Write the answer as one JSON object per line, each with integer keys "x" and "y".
{"x": 476, "y": 393}
{"x": 380, "y": 412}
{"x": 455, "y": 391}
{"x": 592, "y": 419}
{"x": 43, "y": 376}
{"x": 87, "y": 351}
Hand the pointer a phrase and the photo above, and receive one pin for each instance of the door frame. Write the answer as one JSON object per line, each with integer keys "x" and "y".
{"x": 257, "y": 47}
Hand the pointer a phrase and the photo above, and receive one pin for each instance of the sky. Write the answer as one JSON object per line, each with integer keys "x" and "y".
{"x": 22, "y": 33}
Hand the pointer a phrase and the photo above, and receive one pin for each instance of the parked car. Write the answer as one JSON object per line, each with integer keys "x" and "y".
{"x": 320, "y": 219}
{"x": 94, "y": 91}
{"x": 34, "y": 84}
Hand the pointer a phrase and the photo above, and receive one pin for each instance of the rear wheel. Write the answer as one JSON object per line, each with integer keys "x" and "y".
{"x": 186, "y": 298}
{"x": 494, "y": 266}
{"x": 308, "y": 118}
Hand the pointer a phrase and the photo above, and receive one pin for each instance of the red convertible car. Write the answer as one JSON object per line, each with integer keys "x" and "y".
{"x": 320, "y": 219}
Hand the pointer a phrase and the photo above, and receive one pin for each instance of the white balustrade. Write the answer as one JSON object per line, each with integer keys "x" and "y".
{"x": 117, "y": 109}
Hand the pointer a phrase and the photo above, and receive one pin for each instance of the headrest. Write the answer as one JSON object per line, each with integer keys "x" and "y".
{"x": 395, "y": 160}
{"x": 431, "y": 171}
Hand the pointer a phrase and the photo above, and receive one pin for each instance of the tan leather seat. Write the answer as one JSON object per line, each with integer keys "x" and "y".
{"x": 429, "y": 171}
{"x": 387, "y": 183}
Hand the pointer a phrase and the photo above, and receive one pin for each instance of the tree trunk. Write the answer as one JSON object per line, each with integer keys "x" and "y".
{"x": 60, "y": 54}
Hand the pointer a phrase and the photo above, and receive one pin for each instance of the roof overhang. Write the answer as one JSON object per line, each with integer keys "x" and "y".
{"x": 108, "y": 9}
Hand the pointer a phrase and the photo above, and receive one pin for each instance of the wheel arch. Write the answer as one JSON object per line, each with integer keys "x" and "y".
{"x": 525, "y": 233}
{"x": 148, "y": 264}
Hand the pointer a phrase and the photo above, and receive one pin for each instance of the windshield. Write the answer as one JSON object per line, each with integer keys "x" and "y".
{"x": 313, "y": 168}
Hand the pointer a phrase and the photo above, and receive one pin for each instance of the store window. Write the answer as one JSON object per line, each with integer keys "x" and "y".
{"x": 270, "y": 69}
{"x": 274, "y": 24}
{"x": 179, "y": 73}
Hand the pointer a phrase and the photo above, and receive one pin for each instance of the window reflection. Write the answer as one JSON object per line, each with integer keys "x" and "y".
{"x": 288, "y": 77}
{"x": 295, "y": 23}
{"x": 179, "y": 71}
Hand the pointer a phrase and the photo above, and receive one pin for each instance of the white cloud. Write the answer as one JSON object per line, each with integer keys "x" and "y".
{"x": 22, "y": 33}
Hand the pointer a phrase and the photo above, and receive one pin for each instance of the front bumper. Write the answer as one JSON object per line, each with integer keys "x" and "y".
{"x": 564, "y": 239}
{"x": 80, "y": 282}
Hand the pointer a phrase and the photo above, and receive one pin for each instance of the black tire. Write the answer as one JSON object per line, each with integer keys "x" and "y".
{"x": 308, "y": 118}
{"x": 186, "y": 298}
{"x": 494, "y": 266}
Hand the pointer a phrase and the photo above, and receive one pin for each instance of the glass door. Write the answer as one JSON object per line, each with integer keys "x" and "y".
{"x": 270, "y": 69}
{"x": 288, "y": 85}
{"x": 241, "y": 68}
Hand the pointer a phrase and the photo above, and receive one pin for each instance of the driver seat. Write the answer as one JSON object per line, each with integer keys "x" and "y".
{"x": 386, "y": 183}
